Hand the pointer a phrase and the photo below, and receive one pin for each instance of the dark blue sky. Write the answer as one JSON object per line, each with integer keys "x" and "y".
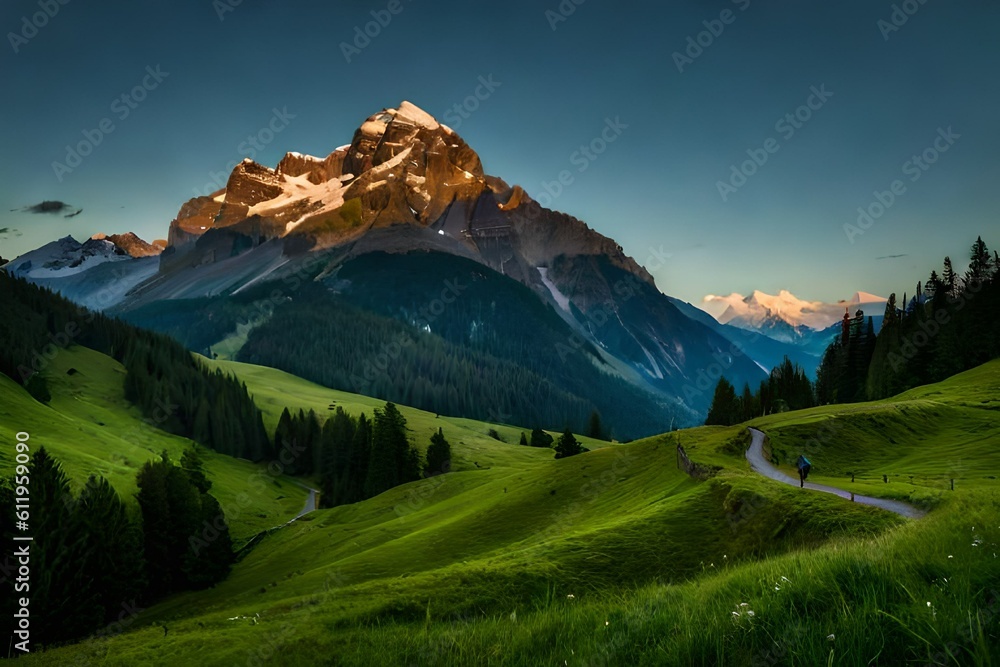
{"x": 656, "y": 185}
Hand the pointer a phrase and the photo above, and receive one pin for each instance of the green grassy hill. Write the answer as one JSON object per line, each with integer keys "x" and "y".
{"x": 273, "y": 390}
{"x": 91, "y": 429}
{"x": 616, "y": 557}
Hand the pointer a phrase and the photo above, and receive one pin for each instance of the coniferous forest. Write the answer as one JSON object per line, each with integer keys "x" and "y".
{"x": 495, "y": 354}
{"x": 102, "y": 562}
{"x": 172, "y": 389}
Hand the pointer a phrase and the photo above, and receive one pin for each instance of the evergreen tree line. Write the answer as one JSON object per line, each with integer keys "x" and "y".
{"x": 94, "y": 563}
{"x": 356, "y": 458}
{"x": 566, "y": 445}
{"x": 949, "y": 325}
{"x": 787, "y": 387}
{"x": 171, "y": 388}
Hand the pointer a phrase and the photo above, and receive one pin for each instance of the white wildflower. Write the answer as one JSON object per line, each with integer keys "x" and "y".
{"x": 830, "y": 638}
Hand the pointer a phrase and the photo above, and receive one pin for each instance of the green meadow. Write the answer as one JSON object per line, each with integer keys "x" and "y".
{"x": 612, "y": 557}
{"x": 91, "y": 429}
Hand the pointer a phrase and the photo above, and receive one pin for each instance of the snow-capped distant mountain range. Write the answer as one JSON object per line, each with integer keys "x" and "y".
{"x": 786, "y": 317}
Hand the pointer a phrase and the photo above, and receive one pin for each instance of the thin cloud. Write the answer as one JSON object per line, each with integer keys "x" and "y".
{"x": 892, "y": 256}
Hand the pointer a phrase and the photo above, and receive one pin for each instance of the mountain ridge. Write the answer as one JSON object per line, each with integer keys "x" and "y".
{"x": 407, "y": 184}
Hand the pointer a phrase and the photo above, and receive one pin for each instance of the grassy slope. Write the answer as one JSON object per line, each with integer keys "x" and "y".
{"x": 273, "y": 390}
{"x": 90, "y": 428}
{"x": 458, "y": 571}
{"x": 921, "y": 440}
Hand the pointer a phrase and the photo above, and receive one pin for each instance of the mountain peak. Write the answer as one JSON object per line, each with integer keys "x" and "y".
{"x": 401, "y": 167}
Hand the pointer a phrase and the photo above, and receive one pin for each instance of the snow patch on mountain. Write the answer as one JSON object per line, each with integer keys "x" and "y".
{"x": 556, "y": 294}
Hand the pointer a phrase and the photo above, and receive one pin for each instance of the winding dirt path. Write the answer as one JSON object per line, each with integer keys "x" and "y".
{"x": 310, "y": 502}
{"x": 755, "y": 455}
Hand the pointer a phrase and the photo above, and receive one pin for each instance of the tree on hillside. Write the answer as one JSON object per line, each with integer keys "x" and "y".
{"x": 438, "y": 455}
{"x": 392, "y": 461}
{"x": 748, "y": 403}
{"x": 567, "y": 445}
{"x": 192, "y": 464}
{"x": 980, "y": 263}
{"x": 594, "y": 428}
{"x": 186, "y": 540}
{"x": 724, "y": 409}
{"x": 64, "y": 601}
{"x": 361, "y": 452}
{"x": 540, "y": 438}
{"x": 524, "y": 439}
{"x": 881, "y": 381}
{"x": 113, "y": 548}
{"x": 158, "y": 545}
{"x": 949, "y": 278}
{"x": 283, "y": 434}
{"x": 337, "y": 443}
{"x": 210, "y": 547}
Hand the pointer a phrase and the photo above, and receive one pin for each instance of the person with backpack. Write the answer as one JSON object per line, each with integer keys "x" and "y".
{"x": 804, "y": 467}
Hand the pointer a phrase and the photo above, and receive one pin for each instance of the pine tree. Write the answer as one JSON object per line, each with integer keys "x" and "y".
{"x": 567, "y": 445}
{"x": 337, "y": 440}
{"x": 389, "y": 461}
{"x": 724, "y": 409}
{"x": 881, "y": 372}
{"x": 748, "y": 404}
{"x": 980, "y": 263}
{"x": 209, "y": 557}
{"x": 950, "y": 279}
{"x": 594, "y": 428}
{"x": 313, "y": 436}
{"x": 158, "y": 550}
{"x": 192, "y": 464}
{"x": 829, "y": 374}
{"x": 65, "y": 601}
{"x": 114, "y": 548}
{"x": 540, "y": 438}
{"x": 438, "y": 455}
{"x": 361, "y": 450}
{"x": 184, "y": 523}
{"x": 933, "y": 287}
{"x": 284, "y": 434}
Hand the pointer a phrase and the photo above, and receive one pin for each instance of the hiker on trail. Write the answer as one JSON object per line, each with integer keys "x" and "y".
{"x": 804, "y": 466}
